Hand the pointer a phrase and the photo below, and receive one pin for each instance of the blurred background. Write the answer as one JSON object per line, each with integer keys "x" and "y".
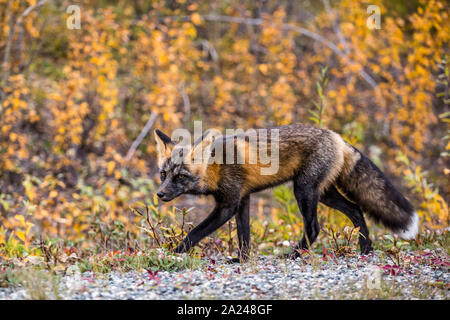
{"x": 73, "y": 100}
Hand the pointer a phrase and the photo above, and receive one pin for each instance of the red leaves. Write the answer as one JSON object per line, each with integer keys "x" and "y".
{"x": 392, "y": 269}
{"x": 329, "y": 254}
{"x": 153, "y": 275}
{"x": 430, "y": 259}
{"x": 69, "y": 250}
{"x": 439, "y": 262}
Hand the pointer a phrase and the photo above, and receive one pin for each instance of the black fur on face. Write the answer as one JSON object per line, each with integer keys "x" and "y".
{"x": 176, "y": 180}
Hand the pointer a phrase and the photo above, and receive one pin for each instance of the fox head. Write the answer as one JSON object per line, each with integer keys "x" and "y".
{"x": 179, "y": 177}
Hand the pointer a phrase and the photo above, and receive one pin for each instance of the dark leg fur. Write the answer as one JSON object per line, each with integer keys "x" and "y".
{"x": 307, "y": 197}
{"x": 243, "y": 228}
{"x": 333, "y": 199}
{"x": 221, "y": 214}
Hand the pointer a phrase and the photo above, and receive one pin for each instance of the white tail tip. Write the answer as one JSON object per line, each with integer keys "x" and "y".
{"x": 412, "y": 229}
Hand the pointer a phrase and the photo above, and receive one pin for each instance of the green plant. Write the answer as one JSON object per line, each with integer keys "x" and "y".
{"x": 164, "y": 229}
{"x": 18, "y": 243}
{"x": 343, "y": 243}
{"x": 433, "y": 207}
{"x": 39, "y": 284}
{"x": 285, "y": 197}
{"x": 151, "y": 259}
{"x": 320, "y": 105}
{"x": 393, "y": 247}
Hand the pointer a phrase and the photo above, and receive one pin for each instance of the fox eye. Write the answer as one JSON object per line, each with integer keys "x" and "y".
{"x": 181, "y": 176}
{"x": 163, "y": 175}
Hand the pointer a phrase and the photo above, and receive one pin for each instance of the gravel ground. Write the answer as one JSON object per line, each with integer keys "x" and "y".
{"x": 268, "y": 277}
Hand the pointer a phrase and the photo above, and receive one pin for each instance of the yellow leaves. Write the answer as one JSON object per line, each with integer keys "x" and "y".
{"x": 263, "y": 68}
{"x": 163, "y": 59}
{"x": 240, "y": 46}
{"x": 109, "y": 190}
{"x": 269, "y": 35}
{"x": 332, "y": 94}
{"x": 53, "y": 194}
{"x": 173, "y": 68}
{"x": 386, "y": 60}
{"x": 87, "y": 105}
{"x": 15, "y": 5}
{"x": 166, "y": 116}
{"x": 2, "y": 235}
{"x": 110, "y": 167}
{"x": 22, "y": 231}
{"x": 403, "y": 114}
{"x": 196, "y": 19}
{"x": 435, "y": 207}
{"x": 21, "y": 235}
{"x": 13, "y": 136}
{"x": 21, "y": 219}
{"x": 32, "y": 30}
{"x": 354, "y": 67}
{"x": 190, "y": 30}
{"x": 29, "y": 188}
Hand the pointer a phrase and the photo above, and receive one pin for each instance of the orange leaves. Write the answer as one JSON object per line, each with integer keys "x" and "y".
{"x": 196, "y": 19}
{"x": 109, "y": 190}
{"x": 67, "y": 121}
{"x": 88, "y": 92}
{"x": 433, "y": 207}
{"x": 110, "y": 167}
{"x": 53, "y": 194}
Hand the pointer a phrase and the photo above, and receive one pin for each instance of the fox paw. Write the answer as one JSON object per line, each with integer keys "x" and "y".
{"x": 292, "y": 255}
{"x": 233, "y": 260}
{"x": 366, "y": 249}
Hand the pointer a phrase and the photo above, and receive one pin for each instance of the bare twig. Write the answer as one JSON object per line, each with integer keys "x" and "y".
{"x": 182, "y": 224}
{"x": 186, "y": 103}
{"x": 336, "y": 27}
{"x": 211, "y": 50}
{"x": 20, "y": 46}
{"x": 141, "y": 136}
{"x": 34, "y": 51}
{"x": 149, "y": 222}
{"x": 230, "y": 239}
{"x": 300, "y": 30}
{"x": 12, "y": 32}
{"x": 285, "y": 27}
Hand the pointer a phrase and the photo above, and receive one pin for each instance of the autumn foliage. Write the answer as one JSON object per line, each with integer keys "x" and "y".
{"x": 72, "y": 101}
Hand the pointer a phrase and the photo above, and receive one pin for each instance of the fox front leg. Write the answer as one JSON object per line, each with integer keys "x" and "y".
{"x": 218, "y": 217}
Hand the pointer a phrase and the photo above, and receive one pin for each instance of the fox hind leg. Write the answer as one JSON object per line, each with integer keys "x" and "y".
{"x": 333, "y": 199}
{"x": 307, "y": 197}
{"x": 243, "y": 228}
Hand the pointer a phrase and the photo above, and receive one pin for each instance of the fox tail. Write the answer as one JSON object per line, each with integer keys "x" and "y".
{"x": 368, "y": 187}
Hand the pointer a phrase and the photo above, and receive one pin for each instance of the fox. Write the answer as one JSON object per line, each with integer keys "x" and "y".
{"x": 321, "y": 164}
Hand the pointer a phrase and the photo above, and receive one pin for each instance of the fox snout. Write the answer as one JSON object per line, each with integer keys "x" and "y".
{"x": 161, "y": 194}
{"x": 165, "y": 196}
{"x": 169, "y": 191}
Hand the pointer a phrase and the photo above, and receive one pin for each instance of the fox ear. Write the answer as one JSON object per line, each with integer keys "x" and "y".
{"x": 164, "y": 146}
